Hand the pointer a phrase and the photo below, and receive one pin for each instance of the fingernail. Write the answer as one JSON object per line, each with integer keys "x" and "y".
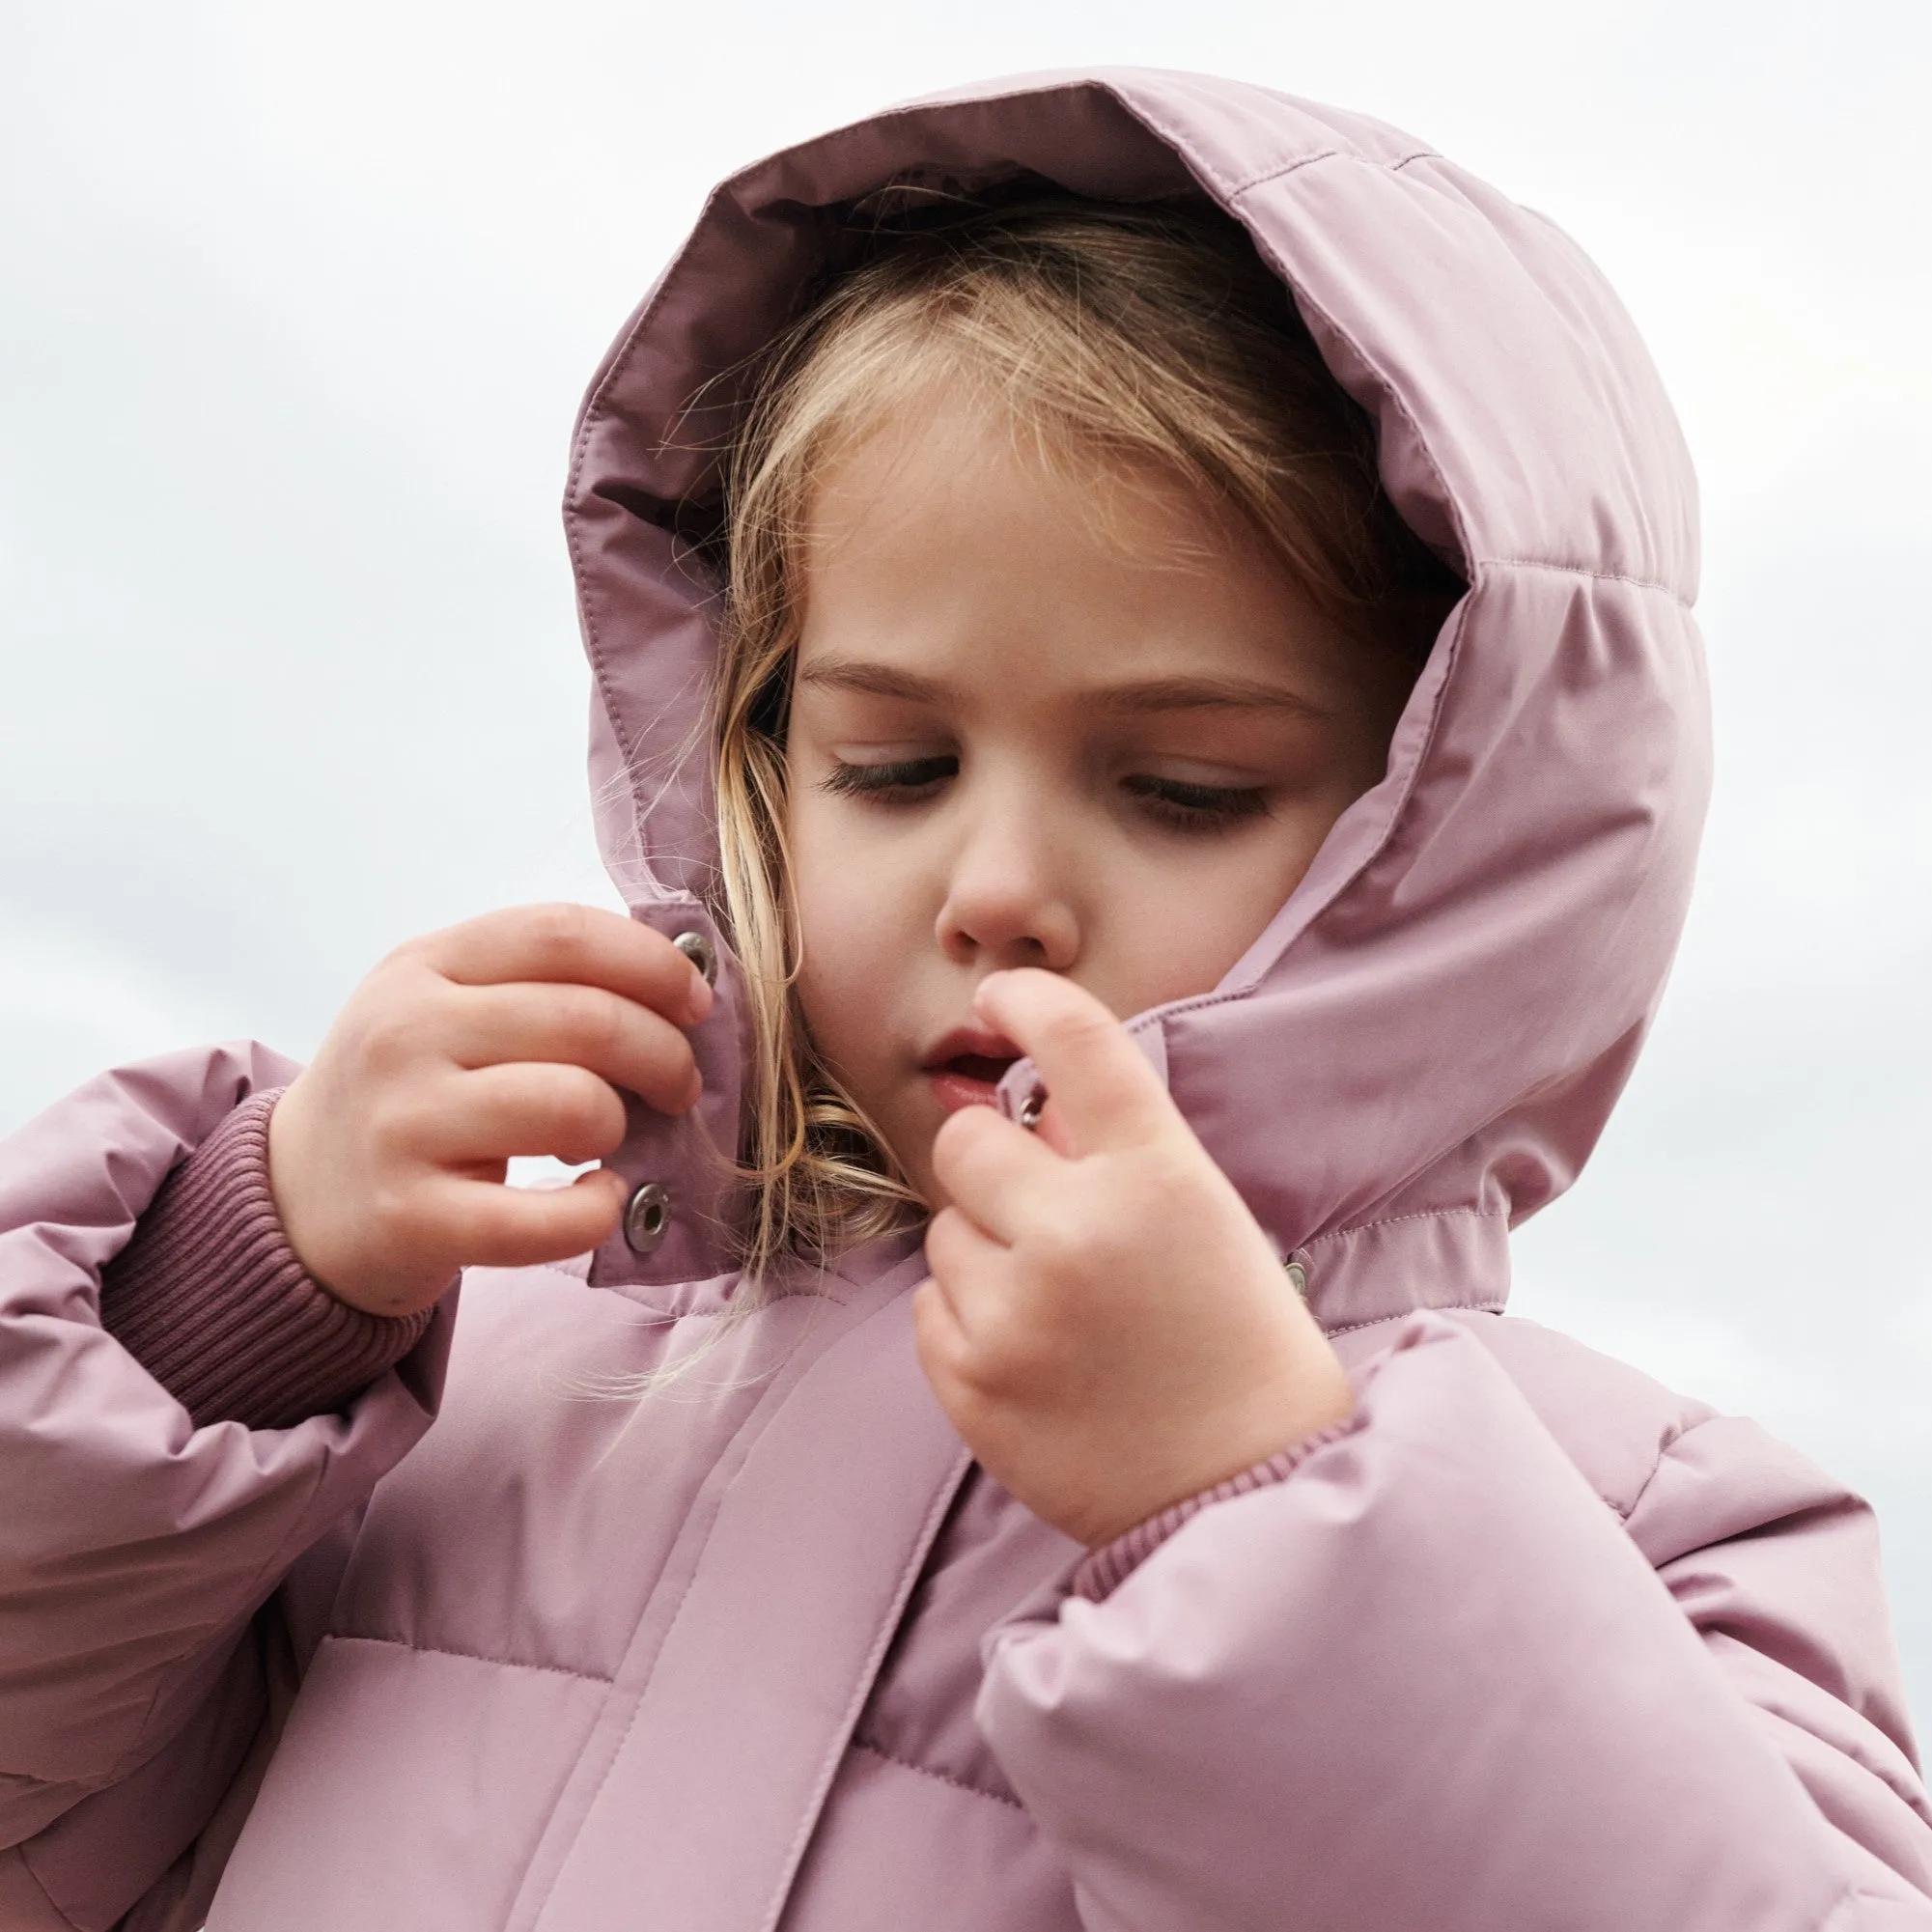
{"x": 703, "y": 998}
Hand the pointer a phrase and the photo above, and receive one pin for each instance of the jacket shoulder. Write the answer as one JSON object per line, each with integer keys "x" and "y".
{"x": 1682, "y": 1475}
{"x": 1615, "y": 1423}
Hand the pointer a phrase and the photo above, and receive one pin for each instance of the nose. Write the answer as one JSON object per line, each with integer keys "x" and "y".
{"x": 1008, "y": 902}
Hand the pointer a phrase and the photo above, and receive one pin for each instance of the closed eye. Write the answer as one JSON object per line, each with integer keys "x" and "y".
{"x": 1203, "y": 808}
{"x": 903, "y": 780}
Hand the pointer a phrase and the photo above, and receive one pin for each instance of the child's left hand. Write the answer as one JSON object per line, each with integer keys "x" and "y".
{"x": 1107, "y": 1325}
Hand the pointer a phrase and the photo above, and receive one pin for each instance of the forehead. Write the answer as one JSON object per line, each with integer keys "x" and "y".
{"x": 952, "y": 444}
{"x": 954, "y": 542}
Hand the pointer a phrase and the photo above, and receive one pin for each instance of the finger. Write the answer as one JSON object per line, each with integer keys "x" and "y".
{"x": 496, "y": 1226}
{"x": 970, "y": 1273}
{"x": 583, "y": 945}
{"x": 525, "y": 1107}
{"x": 615, "y": 1038}
{"x": 940, "y": 1346}
{"x": 989, "y": 1339}
{"x": 993, "y": 1171}
{"x": 1101, "y": 1086}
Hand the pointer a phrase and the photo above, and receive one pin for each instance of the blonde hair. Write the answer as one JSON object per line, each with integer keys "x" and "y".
{"x": 1127, "y": 338}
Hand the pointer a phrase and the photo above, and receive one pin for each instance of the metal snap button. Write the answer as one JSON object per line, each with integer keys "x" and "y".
{"x": 701, "y": 953}
{"x": 647, "y": 1215}
{"x": 1297, "y": 1278}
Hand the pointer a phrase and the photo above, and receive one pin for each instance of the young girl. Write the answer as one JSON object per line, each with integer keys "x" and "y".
{"x": 1134, "y": 545}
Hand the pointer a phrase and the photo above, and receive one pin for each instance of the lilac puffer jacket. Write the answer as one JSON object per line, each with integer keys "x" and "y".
{"x": 1529, "y": 1644}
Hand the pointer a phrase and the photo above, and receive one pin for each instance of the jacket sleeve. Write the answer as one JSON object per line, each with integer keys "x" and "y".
{"x": 212, "y": 1302}
{"x": 1430, "y": 1679}
{"x": 148, "y": 1616}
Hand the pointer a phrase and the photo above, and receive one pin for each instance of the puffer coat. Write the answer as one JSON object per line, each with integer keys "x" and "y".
{"x": 1530, "y": 1643}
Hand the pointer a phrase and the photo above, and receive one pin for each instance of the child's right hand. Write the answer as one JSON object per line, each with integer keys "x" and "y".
{"x": 509, "y": 1034}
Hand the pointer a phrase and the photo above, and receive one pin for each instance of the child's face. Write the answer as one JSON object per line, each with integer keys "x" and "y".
{"x": 1024, "y": 733}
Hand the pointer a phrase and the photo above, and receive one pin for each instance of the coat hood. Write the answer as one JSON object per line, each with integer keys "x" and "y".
{"x": 1423, "y": 1045}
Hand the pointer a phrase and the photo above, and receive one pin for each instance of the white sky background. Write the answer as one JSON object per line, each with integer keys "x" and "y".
{"x": 296, "y": 307}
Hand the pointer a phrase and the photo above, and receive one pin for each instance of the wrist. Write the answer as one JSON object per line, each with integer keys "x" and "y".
{"x": 1307, "y": 1398}
{"x": 1108, "y": 1565}
{"x": 210, "y": 1297}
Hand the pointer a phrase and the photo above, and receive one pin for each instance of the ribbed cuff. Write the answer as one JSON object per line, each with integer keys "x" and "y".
{"x": 1103, "y": 1570}
{"x": 209, "y": 1299}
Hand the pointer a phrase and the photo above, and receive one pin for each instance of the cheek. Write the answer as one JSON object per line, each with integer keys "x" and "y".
{"x": 849, "y": 926}
{"x": 1194, "y": 920}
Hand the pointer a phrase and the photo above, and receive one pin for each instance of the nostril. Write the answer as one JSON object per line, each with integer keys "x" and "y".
{"x": 1015, "y": 925}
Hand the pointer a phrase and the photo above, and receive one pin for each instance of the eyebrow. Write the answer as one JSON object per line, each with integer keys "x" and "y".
{"x": 1140, "y": 700}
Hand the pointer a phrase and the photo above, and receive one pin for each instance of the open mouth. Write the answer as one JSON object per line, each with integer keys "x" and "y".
{"x": 965, "y": 1068}
{"x": 982, "y": 1068}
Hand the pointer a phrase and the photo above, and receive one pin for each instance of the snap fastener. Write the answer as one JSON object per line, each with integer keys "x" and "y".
{"x": 1297, "y": 1278}
{"x": 646, "y": 1217}
{"x": 1032, "y": 1107}
{"x": 701, "y": 953}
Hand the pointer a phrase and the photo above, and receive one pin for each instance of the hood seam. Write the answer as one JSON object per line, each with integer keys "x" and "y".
{"x": 1671, "y": 591}
{"x": 1398, "y": 1220}
{"x": 1275, "y": 174}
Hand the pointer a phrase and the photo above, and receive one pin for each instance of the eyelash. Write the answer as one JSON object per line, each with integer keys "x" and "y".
{"x": 1170, "y": 801}
{"x": 889, "y": 783}
{"x": 1203, "y": 808}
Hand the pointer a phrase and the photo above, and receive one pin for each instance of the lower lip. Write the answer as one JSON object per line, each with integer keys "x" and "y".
{"x": 955, "y": 1091}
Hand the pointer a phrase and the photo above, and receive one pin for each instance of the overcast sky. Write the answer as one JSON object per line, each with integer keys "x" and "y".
{"x": 295, "y": 306}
